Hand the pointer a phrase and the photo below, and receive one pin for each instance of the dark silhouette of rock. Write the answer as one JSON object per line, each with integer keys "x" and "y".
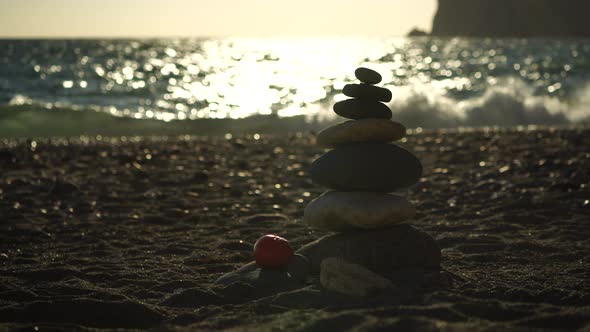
{"x": 371, "y": 167}
{"x": 367, "y": 91}
{"x": 368, "y": 76}
{"x": 512, "y": 18}
{"x": 362, "y": 109}
{"x": 415, "y": 32}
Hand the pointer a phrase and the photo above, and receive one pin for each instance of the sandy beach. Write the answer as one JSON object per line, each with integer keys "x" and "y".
{"x": 130, "y": 233}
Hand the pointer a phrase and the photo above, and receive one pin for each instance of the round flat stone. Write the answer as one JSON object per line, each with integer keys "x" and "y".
{"x": 379, "y": 250}
{"x": 269, "y": 281}
{"x": 366, "y": 91}
{"x": 367, "y": 75}
{"x": 367, "y": 167}
{"x": 361, "y": 131}
{"x": 340, "y": 210}
{"x": 362, "y": 109}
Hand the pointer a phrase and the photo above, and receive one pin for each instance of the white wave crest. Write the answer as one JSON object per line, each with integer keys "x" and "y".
{"x": 510, "y": 102}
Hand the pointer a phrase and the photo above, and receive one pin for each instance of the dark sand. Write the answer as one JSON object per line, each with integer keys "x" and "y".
{"x": 96, "y": 235}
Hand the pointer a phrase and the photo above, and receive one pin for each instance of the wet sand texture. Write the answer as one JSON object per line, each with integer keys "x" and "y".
{"x": 132, "y": 233}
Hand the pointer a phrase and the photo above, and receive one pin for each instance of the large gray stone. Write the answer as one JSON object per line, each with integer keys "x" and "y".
{"x": 381, "y": 251}
{"x": 367, "y": 167}
{"x": 341, "y": 210}
{"x": 361, "y": 131}
{"x": 362, "y": 109}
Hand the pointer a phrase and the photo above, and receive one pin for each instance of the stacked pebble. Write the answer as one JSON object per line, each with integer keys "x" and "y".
{"x": 363, "y": 168}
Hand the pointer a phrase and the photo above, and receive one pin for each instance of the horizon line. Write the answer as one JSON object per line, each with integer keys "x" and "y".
{"x": 7, "y": 37}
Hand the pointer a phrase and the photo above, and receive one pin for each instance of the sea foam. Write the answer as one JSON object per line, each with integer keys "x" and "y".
{"x": 510, "y": 102}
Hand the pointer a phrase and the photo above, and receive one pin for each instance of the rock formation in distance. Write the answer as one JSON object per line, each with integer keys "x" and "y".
{"x": 512, "y": 18}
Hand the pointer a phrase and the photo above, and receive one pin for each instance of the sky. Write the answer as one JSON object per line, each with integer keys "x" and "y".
{"x": 248, "y": 18}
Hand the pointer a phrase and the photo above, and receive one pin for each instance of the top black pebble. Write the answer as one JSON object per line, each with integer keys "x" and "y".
{"x": 367, "y": 75}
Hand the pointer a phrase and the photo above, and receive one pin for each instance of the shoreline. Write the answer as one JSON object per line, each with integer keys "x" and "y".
{"x": 22, "y": 122}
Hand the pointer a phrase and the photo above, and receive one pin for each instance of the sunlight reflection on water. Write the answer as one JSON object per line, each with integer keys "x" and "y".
{"x": 237, "y": 78}
{"x": 248, "y": 76}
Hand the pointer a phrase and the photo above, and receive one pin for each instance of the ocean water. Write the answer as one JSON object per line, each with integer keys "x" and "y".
{"x": 436, "y": 83}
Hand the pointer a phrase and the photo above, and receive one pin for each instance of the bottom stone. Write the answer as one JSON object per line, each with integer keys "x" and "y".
{"x": 381, "y": 251}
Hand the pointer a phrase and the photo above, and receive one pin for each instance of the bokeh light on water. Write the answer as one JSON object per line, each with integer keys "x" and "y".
{"x": 237, "y": 78}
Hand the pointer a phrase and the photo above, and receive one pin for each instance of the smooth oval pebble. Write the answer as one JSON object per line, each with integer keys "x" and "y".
{"x": 366, "y": 167}
{"x": 366, "y": 91}
{"x": 361, "y": 131}
{"x": 339, "y": 211}
{"x": 341, "y": 276}
{"x": 367, "y": 75}
{"x": 362, "y": 109}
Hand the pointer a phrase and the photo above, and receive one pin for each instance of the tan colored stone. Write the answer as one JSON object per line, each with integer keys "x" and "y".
{"x": 345, "y": 277}
{"x": 359, "y": 131}
{"x": 339, "y": 210}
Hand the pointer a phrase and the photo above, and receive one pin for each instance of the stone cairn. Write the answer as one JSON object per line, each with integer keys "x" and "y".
{"x": 370, "y": 248}
{"x": 362, "y": 169}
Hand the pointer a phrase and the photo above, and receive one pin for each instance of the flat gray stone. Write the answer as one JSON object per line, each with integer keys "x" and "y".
{"x": 367, "y": 91}
{"x": 381, "y": 251}
{"x": 340, "y": 210}
{"x": 367, "y": 167}
{"x": 341, "y": 276}
{"x": 269, "y": 280}
{"x": 367, "y": 75}
{"x": 362, "y": 109}
{"x": 361, "y": 131}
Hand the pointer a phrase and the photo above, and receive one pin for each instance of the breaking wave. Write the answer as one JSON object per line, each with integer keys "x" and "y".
{"x": 510, "y": 102}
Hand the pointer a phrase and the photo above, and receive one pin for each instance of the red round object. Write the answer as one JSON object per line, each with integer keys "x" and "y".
{"x": 271, "y": 251}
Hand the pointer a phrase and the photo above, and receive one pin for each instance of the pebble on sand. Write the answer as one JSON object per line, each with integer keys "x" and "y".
{"x": 361, "y": 131}
{"x": 340, "y": 211}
